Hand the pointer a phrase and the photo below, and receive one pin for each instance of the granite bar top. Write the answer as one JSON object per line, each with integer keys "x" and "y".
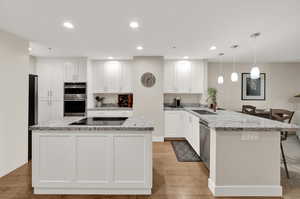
{"x": 131, "y": 124}
{"x": 234, "y": 121}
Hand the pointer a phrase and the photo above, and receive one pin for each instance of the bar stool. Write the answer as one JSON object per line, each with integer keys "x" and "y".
{"x": 248, "y": 109}
{"x": 282, "y": 116}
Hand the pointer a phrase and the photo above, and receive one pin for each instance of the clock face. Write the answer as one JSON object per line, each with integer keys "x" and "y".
{"x": 148, "y": 79}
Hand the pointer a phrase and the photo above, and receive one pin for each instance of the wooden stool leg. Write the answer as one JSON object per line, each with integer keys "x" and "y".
{"x": 284, "y": 161}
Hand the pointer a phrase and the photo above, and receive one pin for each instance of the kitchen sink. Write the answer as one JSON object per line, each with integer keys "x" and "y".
{"x": 204, "y": 112}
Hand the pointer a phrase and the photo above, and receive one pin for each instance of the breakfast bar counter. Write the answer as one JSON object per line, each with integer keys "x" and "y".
{"x": 242, "y": 152}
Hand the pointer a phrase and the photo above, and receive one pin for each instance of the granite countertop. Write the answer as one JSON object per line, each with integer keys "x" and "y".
{"x": 131, "y": 124}
{"x": 110, "y": 108}
{"x": 234, "y": 121}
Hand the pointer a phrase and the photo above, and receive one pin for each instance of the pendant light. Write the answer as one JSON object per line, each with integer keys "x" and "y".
{"x": 255, "y": 72}
{"x": 220, "y": 77}
{"x": 234, "y": 75}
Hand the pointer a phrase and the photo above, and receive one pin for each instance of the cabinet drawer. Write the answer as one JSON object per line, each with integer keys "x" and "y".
{"x": 99, "y": 113}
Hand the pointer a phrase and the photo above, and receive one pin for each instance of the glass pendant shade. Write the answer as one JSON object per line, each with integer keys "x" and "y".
{"x": 220, "y": 79}
{"x": 255, "y": 72}
{"x": 234, "y": 77}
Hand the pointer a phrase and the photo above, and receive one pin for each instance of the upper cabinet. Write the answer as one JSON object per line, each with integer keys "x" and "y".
{"x": 75, "y": 70}
{"x": 184, "y": 76}
{"x": 110, "y": 77}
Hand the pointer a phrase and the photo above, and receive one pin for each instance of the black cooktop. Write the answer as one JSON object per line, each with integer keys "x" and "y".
{"x": 204, "y": 112}
{"x": 101, "y": 121}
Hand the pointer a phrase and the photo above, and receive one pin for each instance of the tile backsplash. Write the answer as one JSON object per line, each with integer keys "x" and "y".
{"x": 108, "y": 98}
{"x": 185, "y": 98}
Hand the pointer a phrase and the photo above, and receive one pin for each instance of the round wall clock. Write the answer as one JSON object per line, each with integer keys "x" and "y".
{"x": 148, "y": 79}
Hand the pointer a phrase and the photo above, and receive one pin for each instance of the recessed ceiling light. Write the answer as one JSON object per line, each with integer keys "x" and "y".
{"x": 139, "y": 48}
{"x": 185, "y": 57}
{"x": 110, "y": 58}
{"x": 68, "y": 25}
{"x": 212, "y": 48}
{"x": 30, "y": 49}
{"x": 134, "y": 24}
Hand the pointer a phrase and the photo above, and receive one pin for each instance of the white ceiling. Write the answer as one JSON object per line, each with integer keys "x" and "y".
{"x": 101, "y": 27}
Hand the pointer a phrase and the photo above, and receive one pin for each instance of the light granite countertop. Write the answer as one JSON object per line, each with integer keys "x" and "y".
{"x": 234, "y": 121}
{"x": 131, "y": 124}
{"x": 110, "y": 108}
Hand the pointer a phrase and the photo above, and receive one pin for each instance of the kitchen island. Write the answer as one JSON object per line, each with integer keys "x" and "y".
{"x": 243, "y": 152}
{"x": 92, "y": 159}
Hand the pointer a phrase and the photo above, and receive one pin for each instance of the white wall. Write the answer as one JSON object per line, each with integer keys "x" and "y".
{"x": 148, "y": 102}
{"x": 282, "y": 83}
{"x": 14, "y": 69}
{"x": 32, "y": 65}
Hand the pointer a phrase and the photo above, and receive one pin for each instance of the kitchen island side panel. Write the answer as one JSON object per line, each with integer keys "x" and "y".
{"x": 92, "y": 163}
{"x": 245, "y": 163}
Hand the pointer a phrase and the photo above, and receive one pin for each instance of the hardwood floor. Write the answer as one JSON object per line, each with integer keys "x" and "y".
{"x": 171, "y": 180}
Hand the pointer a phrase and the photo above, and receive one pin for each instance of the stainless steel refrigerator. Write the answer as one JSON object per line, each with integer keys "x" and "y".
{"x": 32, "y": 108}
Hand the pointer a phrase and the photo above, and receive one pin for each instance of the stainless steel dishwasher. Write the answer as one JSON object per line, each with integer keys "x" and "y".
{"x": 205, "y": 143}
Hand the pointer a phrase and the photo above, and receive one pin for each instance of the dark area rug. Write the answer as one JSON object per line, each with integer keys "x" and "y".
{"x": 184, "y": 151}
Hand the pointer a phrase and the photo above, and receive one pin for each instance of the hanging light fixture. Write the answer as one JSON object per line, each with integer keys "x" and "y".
{"x": 234, "y": 74}
{"x": 255, "y": 72}
{"x": 220, "y": 77}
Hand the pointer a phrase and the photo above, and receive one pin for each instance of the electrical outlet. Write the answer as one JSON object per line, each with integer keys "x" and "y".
{"x": 249, "y": 136}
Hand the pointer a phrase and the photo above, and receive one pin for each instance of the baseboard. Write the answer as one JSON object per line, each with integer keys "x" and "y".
{"x": 174, "y": 139}
{"x": 93, "y": 191}
{"x": 157, "y": 139}
{"x": 245, "y": 190}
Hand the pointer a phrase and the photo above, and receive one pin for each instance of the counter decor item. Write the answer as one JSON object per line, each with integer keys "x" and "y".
{"x": 253, "y": 89}
{"x": 297, "y": 95}
{"x": 99, "y": 101}
{"x": 212, "y": 98}
{"x": 125, "y": 100}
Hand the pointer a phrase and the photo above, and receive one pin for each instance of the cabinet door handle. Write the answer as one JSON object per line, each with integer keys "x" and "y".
{"x": 51, "y": 94}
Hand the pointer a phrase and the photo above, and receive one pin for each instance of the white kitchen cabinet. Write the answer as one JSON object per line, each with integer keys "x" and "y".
{"x": 111, "y": 77}
{"x": 50, "y": 110}
{"x": 44, "y": 111}
{"x": 92, "y": 162}
{"x": 195, "y": 134}
{"x": 50, "y": 89}
{"x": 188, "y": 128}
{"x": 50, "y": 79}
{"x": 75, "y": 70}
{"x": 107, "y": 113}
{"x": 169, "y": 78}
{"x": 126, "y": 78}
{"x": 183, "y": 80}
{"x": 183, "y": 124}
{"x": 173, "y": 124}
{"x": 184, "y": 77}
{"x": 197, "y": 77}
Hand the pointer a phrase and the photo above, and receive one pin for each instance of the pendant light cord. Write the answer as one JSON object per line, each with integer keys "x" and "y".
{"x": 221, "y": 65}
{"x": 234, "y": 64}
{"x": 254, "y": 46}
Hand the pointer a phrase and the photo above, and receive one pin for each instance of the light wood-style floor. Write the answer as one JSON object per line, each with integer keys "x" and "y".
{"x": 172, "y": 180}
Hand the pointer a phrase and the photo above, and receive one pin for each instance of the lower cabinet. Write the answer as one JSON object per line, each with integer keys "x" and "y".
{"x": 180, "y": 124}
{"x": 173, "y": 124}
{"x": 195, "y": 141}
